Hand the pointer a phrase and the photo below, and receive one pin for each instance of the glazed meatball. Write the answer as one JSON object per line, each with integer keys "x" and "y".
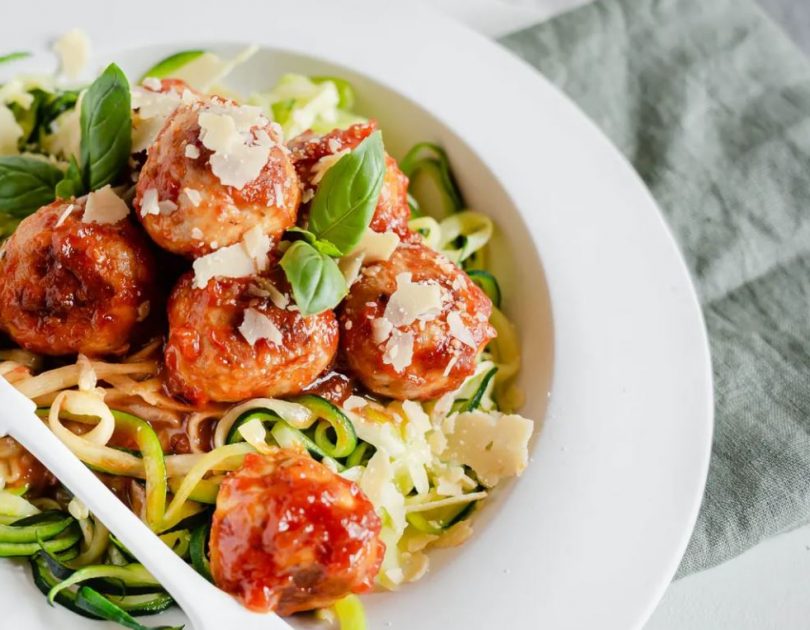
{"x": 392, "y": 211}
{"x": 290, "y": 535}
{"x": 216, "y": 349}
{"x": 412, "y": 326}
{"x": 215, "y": 171}
{"x": 69, "y": 286}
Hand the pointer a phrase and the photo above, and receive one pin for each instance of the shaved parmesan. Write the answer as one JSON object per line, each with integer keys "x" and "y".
{"x": 152, "y": 83}
{"x": 412, "y": 300}
{"x": 350, "y": 267}
{"x": 104, "y": 206}
{"x": 192, "y": 151}
{"x": 257, "y": 244}
{"x": 229, "y": 262}
{"x": 324, "y": 164}
{"x": 238, "y": 154}
{"x": 494, "y": 446}
{"x": 399, "y": 350}
{"x": 73, "y": 49}
{"x": 10, "y": 132}
{"x": 194, "y": 197}
{"x": 459, "y": 330}
{"x": 235, "y": 261}
{"x": 149, "y": 202}
{"x": 208, "y": 69}
{"x": 256, "y": 325}
{"x": 152, "y": 110}
{"x": 376, "y": 246}
{"x": 65, "y": 214}
{"x": 381, "y": 329}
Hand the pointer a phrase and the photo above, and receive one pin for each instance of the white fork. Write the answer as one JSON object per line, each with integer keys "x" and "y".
{"x": 207, "y": 607}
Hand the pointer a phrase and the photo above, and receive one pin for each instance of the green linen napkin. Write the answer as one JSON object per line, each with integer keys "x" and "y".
{"x": 711, "y": 103}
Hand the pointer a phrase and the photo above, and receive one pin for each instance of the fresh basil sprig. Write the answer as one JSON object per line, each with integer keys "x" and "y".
{"x": 106, "y": 126}
{"x": 316, "y": 280}
{"x": 26, "y": 184}
{"x": 71, "y": 185}
{"x": 341, "y": 212}
{"x": 347, "y": 195}
{"x": 300, "y": 234}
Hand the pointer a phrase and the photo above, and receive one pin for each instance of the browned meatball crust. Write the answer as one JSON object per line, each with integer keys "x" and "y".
{"x": 74, "y": 287}
{"x": 198, "y": 213}
{"x": 445, "y": 343}
{"x": 392, "y": 212}
{"x": 208, "y": 358}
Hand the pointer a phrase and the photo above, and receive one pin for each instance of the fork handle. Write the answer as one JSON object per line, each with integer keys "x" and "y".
{"x": 205, "y": 605}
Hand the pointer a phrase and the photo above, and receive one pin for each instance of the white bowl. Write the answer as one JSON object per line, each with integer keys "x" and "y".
{"x": 592, "y": 533}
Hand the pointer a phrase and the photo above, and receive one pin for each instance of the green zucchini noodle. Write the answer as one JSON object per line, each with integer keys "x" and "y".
{"x": 425, "y": 466}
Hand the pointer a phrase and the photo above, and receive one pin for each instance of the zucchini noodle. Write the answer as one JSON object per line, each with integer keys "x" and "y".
{"x": 168, "y": 458}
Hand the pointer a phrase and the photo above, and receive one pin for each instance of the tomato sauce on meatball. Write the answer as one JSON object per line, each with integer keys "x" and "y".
{"x": 290, "y": 535}
{"x": 392, "y": 212}
{"x": 208, "y": 357}
{"x": 181, "y": 198}
{"x": 70, "y": 286}
{"x": 443, "y": 344}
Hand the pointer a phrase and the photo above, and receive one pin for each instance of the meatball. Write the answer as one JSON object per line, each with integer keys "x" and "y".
{"x": 213, "y": 352}
{"x": 192, "y": 199}
{"x": 68, "y": 286}
{"x": 290, "y": 535}
{"x": 412, "y": 326}
{"x": 392, "y": 211}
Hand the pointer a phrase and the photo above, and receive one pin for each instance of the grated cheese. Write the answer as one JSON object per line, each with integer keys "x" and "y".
{"x": 104, "y": 206}
{"x": 256, "y": 325}
{"x": 192, "y": 151}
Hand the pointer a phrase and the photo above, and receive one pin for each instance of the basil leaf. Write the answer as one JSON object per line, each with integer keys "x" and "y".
{"x": 26, "y": 184}
{"x": 171, "y": 64}
{"x": 300, "y": 234}
{"x": 14, "y": 56}
{"x": 106, "y": 124}
{"x": 347, "y": 195}
{"x": 316, "y": 281}
{"x": 71, "y": 184}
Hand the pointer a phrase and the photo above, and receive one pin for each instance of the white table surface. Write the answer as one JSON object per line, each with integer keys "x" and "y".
{"x": 763, "y": 589}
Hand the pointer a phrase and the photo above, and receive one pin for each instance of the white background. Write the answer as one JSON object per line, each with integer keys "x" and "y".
{"x": 769, "y": 586}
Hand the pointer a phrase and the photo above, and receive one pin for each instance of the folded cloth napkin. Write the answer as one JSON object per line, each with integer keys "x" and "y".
{"x": 711, "y": 103}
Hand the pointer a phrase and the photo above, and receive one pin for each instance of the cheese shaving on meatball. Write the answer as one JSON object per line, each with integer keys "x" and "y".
{"x": 104, "y": 206}
{"x": 239, "y": 154}
{"x": 413, "y": 300}
{"x": 240, "y": 260}
{"x": 256, "y": 325}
